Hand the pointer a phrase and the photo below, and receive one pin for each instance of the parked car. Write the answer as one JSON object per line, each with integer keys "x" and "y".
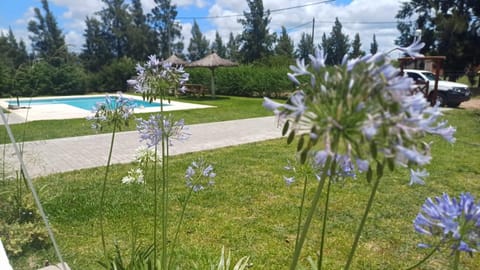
{"x": 449, "y": 93}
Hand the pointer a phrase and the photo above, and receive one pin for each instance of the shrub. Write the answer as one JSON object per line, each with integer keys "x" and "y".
{"x": 41, "y": 78}
{"x": 21, "y": 227}
{"x": 113, "y": 77}
{"x": 245, "y": 80}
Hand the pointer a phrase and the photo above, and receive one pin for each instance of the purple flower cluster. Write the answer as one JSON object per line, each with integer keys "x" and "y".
{"x": 346, "y": 166}
{"x": 114, "y": 110}
{"x": 158, "y": 127}
{"x": 455, "y": 221}
{"x": 199, "y": 175}
{"x": 365, "y": 107}
{"x": 156, "y": 77}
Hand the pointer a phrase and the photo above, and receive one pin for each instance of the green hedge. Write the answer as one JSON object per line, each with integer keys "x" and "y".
{"x": 42, "y": 79}
{"x": 244, "y": 80}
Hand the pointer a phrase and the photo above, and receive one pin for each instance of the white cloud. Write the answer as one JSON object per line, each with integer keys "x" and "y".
{"x": 78, "y": 10}
{"x": 186, "y": 33}
{"x": 196, "y": 3}
{"x": 74, "y": 41}
{"x": 354, "y": 18}
{"x": 26, "y": 17}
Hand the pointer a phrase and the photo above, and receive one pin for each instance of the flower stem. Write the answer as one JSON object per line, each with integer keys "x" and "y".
{"x": 179, "y": 224}
{"x": 364, "y": 218}
{"x": 104, "y": 187}
{"x": 155, "y": 208}
{"x": 308, "y": 221}
{"x": 164, "y": 189}
{"x": 456, "y": 260}
{"x": 132, "y": 227}
{"x": 424, "y": 259}
{"x": 300, "y": 214}
{"x": 325, "y": 214}
{"x": 165, "y": 156}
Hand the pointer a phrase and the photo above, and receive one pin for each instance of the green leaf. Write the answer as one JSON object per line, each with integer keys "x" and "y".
{"x": 380, "y": 167}
{"x": 303, "y": 156}
{"x": 369, "y": 174}
{"x": 373, "y": 149}
{"x": 301, "y": 142}
{"x": 391, "y": 164}
{"x": 286, "y": 126}
{"x": 291, "y": 136}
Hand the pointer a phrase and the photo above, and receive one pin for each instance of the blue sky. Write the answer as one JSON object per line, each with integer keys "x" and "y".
{"x": 357, "y": 16}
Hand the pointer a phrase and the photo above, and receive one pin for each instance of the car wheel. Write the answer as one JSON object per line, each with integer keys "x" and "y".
{"x": 440, "y": 99}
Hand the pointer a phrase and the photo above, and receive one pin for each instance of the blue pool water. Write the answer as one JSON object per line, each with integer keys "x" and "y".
{"x": 86, "y": 103}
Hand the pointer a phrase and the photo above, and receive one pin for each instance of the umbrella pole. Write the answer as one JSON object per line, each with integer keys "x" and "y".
{"x": 213, "y": 82}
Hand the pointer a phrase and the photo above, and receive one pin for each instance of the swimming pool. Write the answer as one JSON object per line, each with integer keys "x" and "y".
{"x": 85, "y": 103}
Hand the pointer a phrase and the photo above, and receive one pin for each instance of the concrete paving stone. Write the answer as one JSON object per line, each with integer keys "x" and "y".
{"x": 67, "y": 154}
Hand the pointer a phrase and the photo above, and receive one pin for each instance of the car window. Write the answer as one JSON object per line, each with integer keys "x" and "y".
{"x": 415, "y": 76}
{"x": 429, "y": 76}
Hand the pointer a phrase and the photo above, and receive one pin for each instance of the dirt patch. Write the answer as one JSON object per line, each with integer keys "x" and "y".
{"x": 472, "y": 104}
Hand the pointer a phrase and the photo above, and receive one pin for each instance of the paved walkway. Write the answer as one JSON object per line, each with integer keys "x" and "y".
{"x": 67, "y": 154}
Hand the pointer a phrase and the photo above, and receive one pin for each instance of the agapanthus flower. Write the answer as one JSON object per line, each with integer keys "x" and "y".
{"x": 414, "y": 49}
{"x": 116, "y": 110}
{"x": 289, "y": 180}
{"x": 157, "y": 78}
{"x": 417, "y": 176}
{"x": 144, "y": 156}
{"x": 291, "y": 169}
{"x": 454, "y": 222}
{"x": 158, "y": 127}
{"x": 199, "y": 175}
{"x": 360, "y": 112}
{"x": 294, "y": 108}
{"x": 318, "y": 60}
{"x": 347, "y": 166}
{"x": 135, "y": 176}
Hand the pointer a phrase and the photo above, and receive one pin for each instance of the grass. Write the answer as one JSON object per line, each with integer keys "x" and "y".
{"x": 226, "y": 108}
{"x": 253, "y": 213}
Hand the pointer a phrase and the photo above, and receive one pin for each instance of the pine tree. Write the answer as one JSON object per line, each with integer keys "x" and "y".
{"x": 96, "y": 51}
{"x": 16, "y": 51}
{"x": 115, "y": 22}
{"x": 218, "y": 46}
{"x": 337, "y": 45}
{"x": 305, "y": 47}
{"x": 256, "y": 41}
{"x": 178, "y": 48}
{"x": 374, "y": 45}
{"x": 162, "y": 18}
{"x": 285, "y": 44}
{"x": 199, "y": 44}
{"x": 48, "y": 41}
{"x": 13, "y": 57}
{"x": 142, "y": 41}
{"x": 233, "y": 46}
{"x": 356, "y": 47}
{"x": 327, "y": 49}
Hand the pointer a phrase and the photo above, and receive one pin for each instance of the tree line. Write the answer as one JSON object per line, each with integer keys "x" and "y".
{"x": 120, "y": 35}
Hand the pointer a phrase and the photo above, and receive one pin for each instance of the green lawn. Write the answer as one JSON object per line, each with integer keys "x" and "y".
{"x": 226, "y": 108}
{"x": 253, "y": 213}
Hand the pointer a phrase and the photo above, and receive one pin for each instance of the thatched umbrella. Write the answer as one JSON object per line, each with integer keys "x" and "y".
{"x": 175, "y": 60}
{"x": 212, "y": 61}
